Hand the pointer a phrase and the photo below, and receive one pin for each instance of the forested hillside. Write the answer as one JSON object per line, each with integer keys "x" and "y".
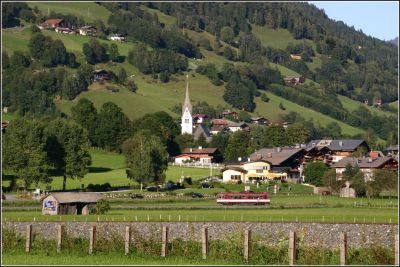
{"x": 237, "y": 55}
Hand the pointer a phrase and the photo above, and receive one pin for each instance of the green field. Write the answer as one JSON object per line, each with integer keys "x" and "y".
{"x": 108, "y": 167}
{"x": 351, "y": 105}
{"x": 89, "y": 11}
{"x": 272, "y": 108}
{"x": 276, "y": 38}
{"x": 327, "y": 215}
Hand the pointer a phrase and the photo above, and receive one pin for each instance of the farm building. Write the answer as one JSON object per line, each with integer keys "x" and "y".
{"x": 100, "y": 75}
{"x": 294, "y": 80}
{"x": 54, "y": 23}
{"x": 88, "y": 30}
{"x": 69, "y": 203}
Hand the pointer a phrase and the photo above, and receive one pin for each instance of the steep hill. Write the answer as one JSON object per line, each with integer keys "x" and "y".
{"x": 154, "y": 95}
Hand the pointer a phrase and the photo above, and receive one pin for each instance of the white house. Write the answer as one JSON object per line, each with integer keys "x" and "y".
{"x": 249, "y": 171}
{"x": 116, "y": 37}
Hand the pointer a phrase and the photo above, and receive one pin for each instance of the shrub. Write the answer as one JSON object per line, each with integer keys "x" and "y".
{"x": 164, "y": 76}
{"x": 264, "y": 98}
{"x": 102, "y": 206}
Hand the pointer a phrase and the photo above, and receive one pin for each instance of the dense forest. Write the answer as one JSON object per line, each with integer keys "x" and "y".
{"x": 352, "y": 63}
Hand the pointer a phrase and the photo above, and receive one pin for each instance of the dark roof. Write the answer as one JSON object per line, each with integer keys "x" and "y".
{"x": 279, "y": 169}
{"x": 201, "y": 129}
{"x": 237, "y": 161}
{"x": 207, "y": 150}
{"x": 363, "y": 162}
{"x": 199, "y": 115}
{"x": 237, "y": 124}
{"x": 274, "y": 156}
{"x": 257, "y": 118}
{"x": 70, "y": 197}
{"x": 337, "y": 145}
{"x": 393, "y": 148}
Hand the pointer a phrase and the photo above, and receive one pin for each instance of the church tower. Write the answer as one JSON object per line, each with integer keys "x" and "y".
{"x": 187, "y": 120}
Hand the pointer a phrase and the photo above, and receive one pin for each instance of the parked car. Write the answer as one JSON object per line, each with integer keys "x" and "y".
{"x": 152, "y": 188}
{"x": 206, "y": 185}
{"x": 197, "y": 195}
{"x": 136, "y": 196}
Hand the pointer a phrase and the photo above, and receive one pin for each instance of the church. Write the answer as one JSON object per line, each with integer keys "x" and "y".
{"x": 187, "y": 119}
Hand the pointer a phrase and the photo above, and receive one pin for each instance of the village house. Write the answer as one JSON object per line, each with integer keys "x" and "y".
{"x": 202, "y": 130}
{"x": 88, "y": 30}
{"x": 199, "y": 155}
{"x": 117, "y": 37}
{"x": 100, "y": 75}
{"x": 259, "y": 120}
{"x": 288, "y": 160}
{"x": 199, "y": 118}
{"x": 220, "y": 122}
{"x": 294, "y": 80}
{"x": 219, "y": 129}
{"x": 4, "y": 125}
{"x": 332, "y": 151}
{"x": 64, "y": 30}
{"x": 75, "y": 203}
{"x": 228, "y": 112}
{"x": 54, "y": 23}
{"x": 238, "y": 126}
{"x": 393, "y": 151}
{"x": 366, "y": 164}
{"x": 247, "y": 171}
{"x": 295, "y": 56}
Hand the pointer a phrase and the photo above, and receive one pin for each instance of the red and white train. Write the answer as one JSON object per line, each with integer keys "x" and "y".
{"x": 244, "y": 198}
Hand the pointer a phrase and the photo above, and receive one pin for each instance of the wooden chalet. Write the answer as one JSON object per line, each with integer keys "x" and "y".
{"x": 199, "y": 155}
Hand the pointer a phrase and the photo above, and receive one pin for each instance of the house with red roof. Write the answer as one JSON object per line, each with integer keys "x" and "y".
{"x": 55, "y": 23}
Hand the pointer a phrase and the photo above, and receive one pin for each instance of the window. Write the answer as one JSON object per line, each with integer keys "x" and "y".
{"x": 186, "y": 120}
{"x": 236, "y": 177}
{"x": 259, "y": 171}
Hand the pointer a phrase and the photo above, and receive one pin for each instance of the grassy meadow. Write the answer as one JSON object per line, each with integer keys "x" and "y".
{"x": 109, "y": 167}
{"x": 322, "y": 215}
{"x": 89, "y": 11}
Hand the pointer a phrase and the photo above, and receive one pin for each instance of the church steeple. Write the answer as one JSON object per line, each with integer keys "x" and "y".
{"x": 187, "y": 120}
{"x": 187, "y": 103}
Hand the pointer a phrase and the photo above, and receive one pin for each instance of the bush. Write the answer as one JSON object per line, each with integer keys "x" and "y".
{"x": 102, "y": 206}
{"x": 264, "y": 98}
{"x": 131, "y": 85}
{"x": 188, "y": 180}
{"x": 164, "y": 76}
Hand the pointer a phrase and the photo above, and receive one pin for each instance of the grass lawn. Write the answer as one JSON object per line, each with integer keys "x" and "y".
{"x": 351, "y": 105}
{"x": 89, "y": 11}
{"x": 276, "y": 38}
{"x": 271, "y": 110}
{"x": 109, "y": 167}
{"x": 41, "y": 258}
{"x": 328, "y": 215}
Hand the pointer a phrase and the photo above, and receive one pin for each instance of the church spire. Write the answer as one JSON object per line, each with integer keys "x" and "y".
{"x": 187, "y": 103}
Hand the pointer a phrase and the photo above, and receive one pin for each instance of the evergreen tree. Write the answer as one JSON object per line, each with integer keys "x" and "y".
{"x": 114, "y": 53}
{"x": 122, "y": 76}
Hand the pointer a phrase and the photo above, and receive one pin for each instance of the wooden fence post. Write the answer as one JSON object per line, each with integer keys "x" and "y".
{"x": 28, "y": 243}
{"x": 204, "y": 242}
{"x": 396, "y": 250}
{"x": 127, "y": 239}
{"x": 292, "y": 247}
{"x": 343, "y": 248}
{"x": 164, "y": 237}
{"x": 247, "y": 244}
{"x": 60, "y": 233}
{"x": 92, "y": 239}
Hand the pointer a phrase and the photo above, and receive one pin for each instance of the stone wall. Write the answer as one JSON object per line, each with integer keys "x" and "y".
{"x": 310, "y": 234}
